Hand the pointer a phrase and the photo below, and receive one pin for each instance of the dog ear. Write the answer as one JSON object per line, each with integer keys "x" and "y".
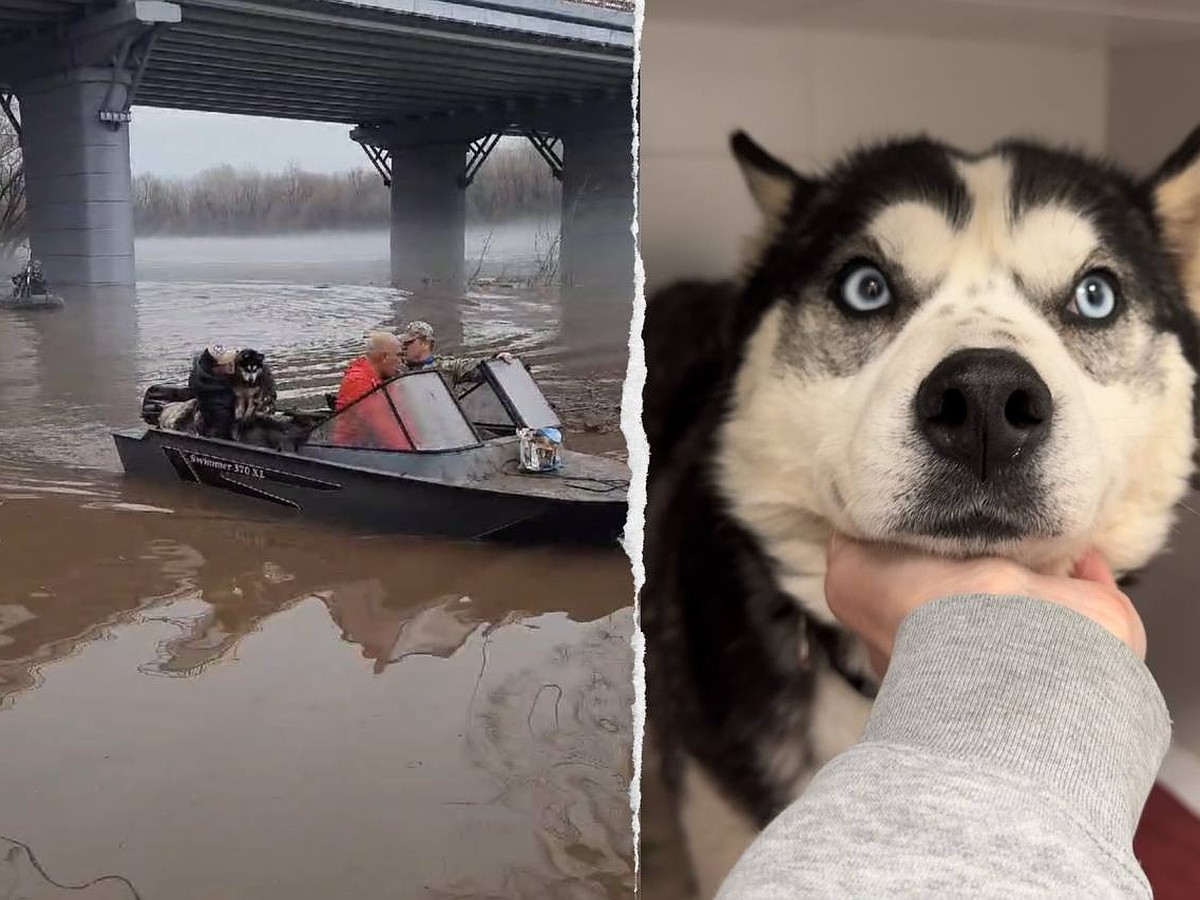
{"x": 1175, "y": 193}
{"x": 773, "y": 184}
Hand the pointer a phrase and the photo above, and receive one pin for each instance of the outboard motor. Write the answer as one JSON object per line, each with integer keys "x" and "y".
{"x": 541, "y": 449}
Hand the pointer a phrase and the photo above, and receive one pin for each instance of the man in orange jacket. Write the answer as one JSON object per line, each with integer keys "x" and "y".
{"x": 372, "y": 423}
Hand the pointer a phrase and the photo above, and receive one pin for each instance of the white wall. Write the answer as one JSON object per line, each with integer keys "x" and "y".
{"x": 808, "y": 95}
{"x": 1153, "y": 102}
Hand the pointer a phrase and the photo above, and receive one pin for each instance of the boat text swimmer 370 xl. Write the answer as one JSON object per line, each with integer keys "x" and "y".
{"x": 409, "y": 457}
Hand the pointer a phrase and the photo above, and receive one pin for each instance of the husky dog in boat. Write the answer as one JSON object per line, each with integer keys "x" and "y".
{"x": 253, "y": 389}
{"x": 989, "y": 353}
{"x": 231, "y": 392}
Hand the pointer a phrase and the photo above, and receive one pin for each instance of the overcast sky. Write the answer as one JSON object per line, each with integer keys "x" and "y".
{"x": 178, "y": 143}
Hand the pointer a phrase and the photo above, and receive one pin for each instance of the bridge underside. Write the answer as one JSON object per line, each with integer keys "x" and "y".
{"x": 420, "y": 87}
{"x": 589, "y": 145}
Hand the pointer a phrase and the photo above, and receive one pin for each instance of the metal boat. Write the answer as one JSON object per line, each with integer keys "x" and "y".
{"x": 32, "y": 301}
{"x": 409, "y": 457}
{"x": 29, "y": 290}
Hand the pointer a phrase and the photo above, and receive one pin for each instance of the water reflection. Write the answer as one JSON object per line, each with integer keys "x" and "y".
{"x": 556, "y": 737}
{"x": 458, "y": 716}
{"x": 388, "y": 635}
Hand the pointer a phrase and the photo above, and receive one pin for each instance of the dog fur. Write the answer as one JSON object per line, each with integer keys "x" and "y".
{"x": 251, "y": 399}
{"x": 182, "y": 415}
{"x": 253, "y": 404}
{"x": 777, "y": 413}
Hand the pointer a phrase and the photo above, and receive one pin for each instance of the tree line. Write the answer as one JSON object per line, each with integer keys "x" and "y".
{"x": 514, "y": 183}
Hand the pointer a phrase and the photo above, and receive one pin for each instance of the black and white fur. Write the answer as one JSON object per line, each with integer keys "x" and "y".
{"x": 251, "y": 399}
{"x": 777, "y": 412}
{"x": 253, "y": 404}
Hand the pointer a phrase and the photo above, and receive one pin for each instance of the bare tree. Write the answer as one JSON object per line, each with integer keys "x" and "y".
{"x": 12, "y": 188}
{"x": 514, "y": 183}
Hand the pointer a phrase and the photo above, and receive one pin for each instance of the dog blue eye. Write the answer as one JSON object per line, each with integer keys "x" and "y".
{"x": 865, "y": 290}
{"x": 1095, "y": 297}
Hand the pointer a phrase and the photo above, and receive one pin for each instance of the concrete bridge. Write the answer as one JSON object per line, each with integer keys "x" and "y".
{"x": 426, "y": 86}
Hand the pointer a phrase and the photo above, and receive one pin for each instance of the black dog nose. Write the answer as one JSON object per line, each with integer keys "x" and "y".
{"x": 985, "y": 408}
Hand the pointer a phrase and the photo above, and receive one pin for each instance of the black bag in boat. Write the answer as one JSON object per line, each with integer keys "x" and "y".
{"x": 159, "y": 395}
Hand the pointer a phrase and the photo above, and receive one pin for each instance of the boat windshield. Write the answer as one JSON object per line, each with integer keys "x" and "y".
{"x": 412, "y": 412}
{"x": 507, "y": 399}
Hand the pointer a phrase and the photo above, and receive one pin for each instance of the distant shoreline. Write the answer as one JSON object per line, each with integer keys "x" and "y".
{"x": 512, "y": 220}
{"x": 514, "y": 184}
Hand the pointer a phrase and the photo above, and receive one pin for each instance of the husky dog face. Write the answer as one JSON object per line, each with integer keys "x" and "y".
{"x": 249, "y": 366}
{"x": 968, "y": 354}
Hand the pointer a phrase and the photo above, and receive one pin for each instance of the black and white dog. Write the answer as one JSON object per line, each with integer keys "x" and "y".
{"x": 233, "y": 396}
{"x": 253, "y": 388}
{"x": 969, "y": 354}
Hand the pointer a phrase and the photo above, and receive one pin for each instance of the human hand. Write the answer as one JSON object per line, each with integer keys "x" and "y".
{"x": 504, "y": 356}
{"x": 871, "y": 589}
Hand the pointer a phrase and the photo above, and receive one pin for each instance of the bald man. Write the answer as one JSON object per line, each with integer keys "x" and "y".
{"x": 372, "y": 424}
{"x": 377, "y": 365}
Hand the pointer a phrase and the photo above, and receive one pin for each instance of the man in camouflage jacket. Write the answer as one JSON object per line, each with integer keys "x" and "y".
{"x": 417, "y": 339}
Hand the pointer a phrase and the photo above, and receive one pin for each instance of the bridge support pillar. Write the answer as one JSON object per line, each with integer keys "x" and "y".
{"x": 597, "y": 205}
{"x": 597, "y": 247}
{"x": 428, "y": 239}
{"x": 79, "y": 196}
{"x": 75, "y": 86}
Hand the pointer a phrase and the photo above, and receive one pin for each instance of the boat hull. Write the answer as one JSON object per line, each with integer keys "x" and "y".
{"x": 369, "y": 499}
{"x": 36, "y": 301}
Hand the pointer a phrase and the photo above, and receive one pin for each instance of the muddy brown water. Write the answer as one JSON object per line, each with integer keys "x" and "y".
{"x": 200, "y": 698}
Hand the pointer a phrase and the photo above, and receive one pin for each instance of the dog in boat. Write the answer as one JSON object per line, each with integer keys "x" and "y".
{"x": 245, "y": 374}
{"x": 253, "y": 392}
{"x": 989, "y": 353}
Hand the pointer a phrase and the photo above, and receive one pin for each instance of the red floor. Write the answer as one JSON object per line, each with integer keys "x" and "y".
{"x": 1167, "y": 844}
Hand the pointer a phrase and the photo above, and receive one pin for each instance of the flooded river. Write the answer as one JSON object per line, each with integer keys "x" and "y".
{"x": 200, "y": 699}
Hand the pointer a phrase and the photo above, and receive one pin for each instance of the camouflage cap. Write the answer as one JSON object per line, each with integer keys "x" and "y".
{"x": 417, "y": 331}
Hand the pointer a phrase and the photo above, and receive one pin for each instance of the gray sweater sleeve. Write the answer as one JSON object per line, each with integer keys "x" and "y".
{"x": 1009, "y": 754}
